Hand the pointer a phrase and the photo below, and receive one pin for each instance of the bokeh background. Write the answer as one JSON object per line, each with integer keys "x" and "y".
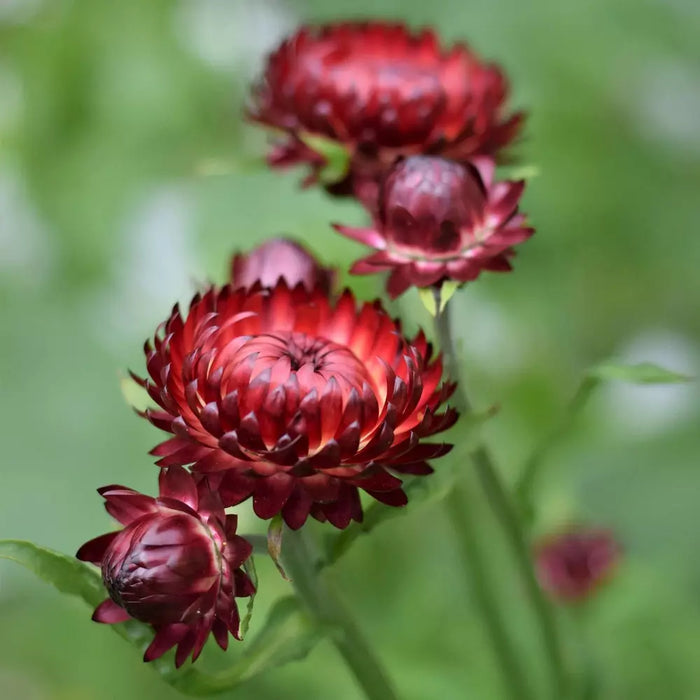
{"x": 127, "y": 177}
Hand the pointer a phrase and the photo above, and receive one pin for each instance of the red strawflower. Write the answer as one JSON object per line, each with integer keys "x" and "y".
{"x": 438, "y": 220}
{"x": 571, "y": 565}
{"x": 381, "y": 92}
{"x": 175, "y": 565}
{"x": 298, "y": 401}
{"x": 280, "y": 259}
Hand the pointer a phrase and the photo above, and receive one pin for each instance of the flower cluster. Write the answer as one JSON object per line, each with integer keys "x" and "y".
{"x": 276, "y": 390}
{"x": 279, "y": 390}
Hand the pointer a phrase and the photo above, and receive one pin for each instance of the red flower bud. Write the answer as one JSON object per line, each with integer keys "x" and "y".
{"x": 381, "y": 91}
{"x": 280, "y": 259}
{"x": 175, "y": 565}
{"x": 439, "y": 220}
{"x": 296, "y": 400}
{"x": 570, "y": 566}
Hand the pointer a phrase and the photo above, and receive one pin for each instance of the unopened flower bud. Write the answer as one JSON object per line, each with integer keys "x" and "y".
{"x": 440, "y": 220}
{"x": 175, "y": 565}
{"x": 571, "y": 565}
{"x": 280, "y": 259}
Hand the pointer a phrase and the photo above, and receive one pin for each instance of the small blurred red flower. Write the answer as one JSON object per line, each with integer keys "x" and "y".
{"x": 280, "y": 259}
{"x": 438, "y": 220}
{"x": 295, "y": 400}
{"x": 175, "y": 565}
{"x": 571, "y": 565}
{"x": 381, "y": 92}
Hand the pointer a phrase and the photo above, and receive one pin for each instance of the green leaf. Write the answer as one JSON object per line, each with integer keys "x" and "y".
{"x": 274, "y": 543}
{"x": 435, "y": 300}
{"x": 427, "y": 297}
{"x": 73, "y": 577}
{"x": 65, "y": 573}
{"x": 249, "y": 568}
{"x": 524, "y": 171}
{"x": 287, "y": 635}
{"x": 642, "y": 373}
{"x": 335, "y": 155}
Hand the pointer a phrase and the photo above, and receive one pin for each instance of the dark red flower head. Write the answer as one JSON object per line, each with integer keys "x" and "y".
{"x": 295, "y": 400}
{"x": 280, "y": 259}
{"x": 381, "y": 91}
{"x": 439, "y": 220}
{"x": 570, "y": 566}
{"x": 175, "y": 565}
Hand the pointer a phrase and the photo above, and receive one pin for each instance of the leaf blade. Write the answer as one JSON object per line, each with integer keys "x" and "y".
{"x": 66, "y": 574}
{"x": 640, "y": 373}
{"x": 287, "y": 635}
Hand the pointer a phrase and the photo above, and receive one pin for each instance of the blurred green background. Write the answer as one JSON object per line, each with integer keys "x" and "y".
{"x": 127, "y": 178}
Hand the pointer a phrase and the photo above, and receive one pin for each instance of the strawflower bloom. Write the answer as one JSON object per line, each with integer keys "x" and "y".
{"x": 380, "y": 91}
{"x": 572, "y": 565}
{"x": 175, "y": 565}
{"x": 296, "y": 400}
{"x": 439, "y": 220}
{"x": 280, "y": 259}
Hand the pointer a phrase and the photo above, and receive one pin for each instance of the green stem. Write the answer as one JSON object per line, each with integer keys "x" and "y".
{"x": 459, "y": 511}
{"x": 508, "y": 517}
{"x": 328, "y": 610}
{"x": 525, "y": 484}
{"x": 505, "y": 511}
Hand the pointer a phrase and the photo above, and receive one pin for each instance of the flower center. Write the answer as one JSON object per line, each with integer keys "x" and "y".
{"x": 363, "y": 70}
{"x": 312, "y": 360}
{"x": 302, "y": 350}
{"x": 382, "y": 75}
{"x": 577, "y": 566}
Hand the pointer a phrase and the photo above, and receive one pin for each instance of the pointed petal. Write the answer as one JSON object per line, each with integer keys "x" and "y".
{"x": 166, "y": 638}
{"x": 296, "y": 509}
{"x": 177, "y": 483}
{"x": 109, "y": 613}
{"x": 185, "y": 647}
{"x": 271, "y": 494}
{"x": 94, "y": 550}
{"x": 391, "y": 498}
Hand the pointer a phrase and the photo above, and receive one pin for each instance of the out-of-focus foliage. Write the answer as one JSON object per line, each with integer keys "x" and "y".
{"x": 127, "y": 178}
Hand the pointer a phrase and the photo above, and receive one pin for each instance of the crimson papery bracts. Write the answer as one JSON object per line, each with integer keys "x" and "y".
{"x": 296, "y": 400}
{"x": 573, "y": 564}
{"x": 280, "y": 259}
{"x": 176, "y": 564}
{"x": 380, "y": 91}
{"x": 439, "y": 220}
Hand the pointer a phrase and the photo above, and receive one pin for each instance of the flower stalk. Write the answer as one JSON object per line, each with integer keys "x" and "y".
{"x": 328, "y": 610}
{"x": 459, "y": 511}
{"x": 525, "y": 485}
{"x": 506, "y": 513}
